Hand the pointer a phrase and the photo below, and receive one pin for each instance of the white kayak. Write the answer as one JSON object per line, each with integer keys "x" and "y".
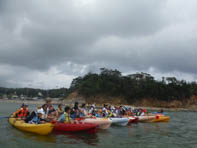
{"x": 145, "y": 118}
{"x": 120, "y": 121}
{"x": 103, "y": 123}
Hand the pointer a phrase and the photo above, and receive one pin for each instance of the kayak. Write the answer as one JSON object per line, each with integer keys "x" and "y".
{"x": 160, "y": 119}
{"x": 154, "y": 118}
{"x": 75, "y": 127}
{"x": 120, "y": 121}
{"x": 41, "y": 129}
{"x": 145, "y": 118}
{"x": 103, "y": 123}
{"x": 133, "y": 120}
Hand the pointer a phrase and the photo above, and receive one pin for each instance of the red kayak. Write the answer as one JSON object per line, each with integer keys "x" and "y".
{"x": 132, "y": 120}
{"x": 75, "y": 127}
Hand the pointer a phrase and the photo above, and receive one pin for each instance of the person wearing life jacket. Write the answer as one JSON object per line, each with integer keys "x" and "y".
{"x": 37, "y": 118}
{"x": 105, "y": 111}
{"x": 66, "y": 116}
{"x": 92, "y": 110}
{"x": 23, "y": 112}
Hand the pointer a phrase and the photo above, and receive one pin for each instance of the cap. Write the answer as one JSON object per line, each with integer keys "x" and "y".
{"x": 40, "y": 111}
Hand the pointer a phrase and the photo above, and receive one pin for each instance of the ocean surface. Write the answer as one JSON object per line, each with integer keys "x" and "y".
{"x": 180, "y": 132}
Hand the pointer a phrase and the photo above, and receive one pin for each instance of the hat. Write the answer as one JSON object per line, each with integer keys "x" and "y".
{"x": 26, "y": 105}
{"x": 40, "y": 111}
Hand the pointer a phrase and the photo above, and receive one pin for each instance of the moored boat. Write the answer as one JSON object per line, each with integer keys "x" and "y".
{"x": 41, "y": 129}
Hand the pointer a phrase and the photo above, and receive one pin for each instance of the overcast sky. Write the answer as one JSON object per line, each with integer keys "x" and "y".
{"x": 47, "y": 43}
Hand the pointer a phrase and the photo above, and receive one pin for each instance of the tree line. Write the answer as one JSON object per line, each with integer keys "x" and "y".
{"x": 133, "y": 86}
{"x": 31, "y": 92}
{"x": 110, "y": 82}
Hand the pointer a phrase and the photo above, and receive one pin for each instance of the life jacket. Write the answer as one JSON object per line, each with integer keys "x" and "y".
{"x": 22, "y": 113}
{"x": 67, "y": 117}
{"x": 110, "y": 114}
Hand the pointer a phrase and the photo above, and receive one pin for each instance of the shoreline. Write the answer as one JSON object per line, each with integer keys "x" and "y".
{"x": 40, "y": 102}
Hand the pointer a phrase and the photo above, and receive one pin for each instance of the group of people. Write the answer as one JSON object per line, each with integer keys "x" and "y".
{"x": 47, "y": 113}
{"x": 44, "y": 113}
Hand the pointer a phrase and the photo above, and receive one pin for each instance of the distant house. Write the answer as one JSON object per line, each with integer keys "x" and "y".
{"x": 15, "y": 97}
{"x": 35, "y": 98}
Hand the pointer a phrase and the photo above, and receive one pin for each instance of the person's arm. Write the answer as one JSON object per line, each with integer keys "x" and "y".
{"x": 61, "y": 118}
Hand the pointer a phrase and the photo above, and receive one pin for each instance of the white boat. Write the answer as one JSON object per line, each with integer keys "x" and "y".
{"x": 103, "y": 123}
{"x": 120, "y": 121}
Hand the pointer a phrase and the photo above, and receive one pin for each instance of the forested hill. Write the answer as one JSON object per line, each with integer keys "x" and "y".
{"x": 133, "y": 87}
{"x": 112, "y": 84}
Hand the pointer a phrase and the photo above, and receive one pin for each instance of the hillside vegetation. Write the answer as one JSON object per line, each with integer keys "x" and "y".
{"x": 139, "y": 88}
{"x": 111, "y": 86}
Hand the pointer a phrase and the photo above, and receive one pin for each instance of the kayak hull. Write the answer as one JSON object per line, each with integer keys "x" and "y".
{"x": 160, "y": 119}
{"x": 41, "y": 129}
{"x": 75, "y": 127}
{"x": 133, "y": 120}
{"x": 145, "y": 118}
{"x": 120, "y": 121}
{"x": 154, "y": 118}
{"x": 103, "y": 123}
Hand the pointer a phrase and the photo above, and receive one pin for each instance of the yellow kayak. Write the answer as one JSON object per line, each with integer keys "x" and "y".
{"x": 160, "y": 119}
{"x": 41, "y": 129}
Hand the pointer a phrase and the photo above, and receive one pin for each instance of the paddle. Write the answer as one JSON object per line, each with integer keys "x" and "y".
{"x": 4, "y": 117}
{"x": 7, "y": 117}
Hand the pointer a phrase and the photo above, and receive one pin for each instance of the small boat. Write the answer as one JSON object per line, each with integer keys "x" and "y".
{"x": 157, "y": 118}
{"x": 133, "y": 120}
{"x": 75, "y": 127}
{"x": 145, "y": 118}
{"x": 41, "y": 129}
{"x": 160, "y": 119}
{"x": 120, "y": 121}
{"x": 103, "y": 123}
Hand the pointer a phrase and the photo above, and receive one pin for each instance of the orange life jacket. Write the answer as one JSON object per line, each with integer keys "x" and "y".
{"x": 22, "y": 113}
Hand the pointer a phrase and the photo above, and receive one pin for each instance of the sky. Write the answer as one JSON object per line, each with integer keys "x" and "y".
{"x": 46, "y": 43}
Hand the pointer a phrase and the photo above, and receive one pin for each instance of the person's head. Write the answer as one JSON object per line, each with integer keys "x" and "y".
{"x": 45, "y": 107}
{"x": 25, "y": 106}
{"x": 60, "y": 106}
{"x": 161, "y": 111}
{"x": 48, "y": 101}
{"x": 105, "y": 105}
{"x": 83, "y": 105}
{"x": 22, "y": 105}
{"x": 76, "y": 103}
{"x": 67, "y": 109}
{"x": 40, "y": 112}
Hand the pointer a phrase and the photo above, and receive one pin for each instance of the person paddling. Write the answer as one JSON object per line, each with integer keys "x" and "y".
{"x": 23, "y": 112}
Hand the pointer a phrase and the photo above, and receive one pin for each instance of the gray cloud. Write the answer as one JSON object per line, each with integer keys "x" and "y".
{"x": 64, "y": 39}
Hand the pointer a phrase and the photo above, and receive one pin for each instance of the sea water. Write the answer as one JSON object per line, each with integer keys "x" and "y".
{"x": 179, "y": 132}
